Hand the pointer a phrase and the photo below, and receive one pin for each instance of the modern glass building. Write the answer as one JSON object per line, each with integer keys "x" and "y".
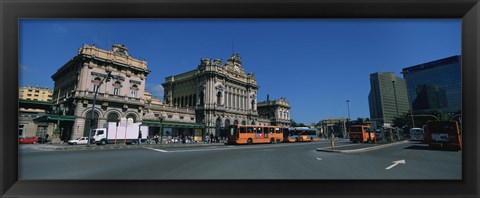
{"x": 435, "y": 85}
{"x": 387, "y": 98}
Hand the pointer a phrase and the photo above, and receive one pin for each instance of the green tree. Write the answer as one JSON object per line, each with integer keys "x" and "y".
{"x": 295, "y": 124}
{"x": 405, "y": 120}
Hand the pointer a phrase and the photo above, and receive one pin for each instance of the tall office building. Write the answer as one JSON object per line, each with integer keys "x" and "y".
{"x": 435, "y": 85}
{"x": 387, "y": 97}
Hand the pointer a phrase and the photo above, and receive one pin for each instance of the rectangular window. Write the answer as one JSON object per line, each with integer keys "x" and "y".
{"x": 116, "y": 91}
{"x": 243, "y": 130}
{"x": 134, "y": 94}
{"x": 95, "y": 87}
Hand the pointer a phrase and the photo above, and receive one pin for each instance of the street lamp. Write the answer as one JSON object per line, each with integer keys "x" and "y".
{"x": 60, "y": 111}
{"x": 348, "y": 108}
{"x": 97, "y": 87}
{"x": 161, "y": 128}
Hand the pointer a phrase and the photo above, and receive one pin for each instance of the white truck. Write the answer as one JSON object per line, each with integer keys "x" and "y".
{"x": 125, "y": 133}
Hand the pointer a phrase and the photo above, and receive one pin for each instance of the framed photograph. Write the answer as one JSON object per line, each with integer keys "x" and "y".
{"x": 157, "y": 98}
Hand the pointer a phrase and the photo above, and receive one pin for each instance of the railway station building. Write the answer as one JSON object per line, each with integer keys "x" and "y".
{"x": 200, "y": 102}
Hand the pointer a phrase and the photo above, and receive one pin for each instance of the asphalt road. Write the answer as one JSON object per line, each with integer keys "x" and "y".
{"x": 265, "y": 161}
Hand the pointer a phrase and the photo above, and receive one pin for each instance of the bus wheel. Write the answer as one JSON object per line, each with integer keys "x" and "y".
{"x": 249, "y": 141}
{"x": 311, "y": 139}
{"x": 272, "y": 141}
{"x": 296, "y": 139}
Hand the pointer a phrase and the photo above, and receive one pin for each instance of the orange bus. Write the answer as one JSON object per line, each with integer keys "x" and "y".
{"x": 250, "y": 134}
{"x": 443, "y": 134}
{"x": 290, "y": 135}
{"x": 362, "y": 133}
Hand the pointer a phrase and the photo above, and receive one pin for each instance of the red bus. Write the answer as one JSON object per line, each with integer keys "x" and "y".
{"x": 362, "y": 133}
{"x": 251, "y": 134}
{"x": 443, "y": 134}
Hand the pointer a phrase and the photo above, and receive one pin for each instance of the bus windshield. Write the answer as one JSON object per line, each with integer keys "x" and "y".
{"x": 355, "y": 129}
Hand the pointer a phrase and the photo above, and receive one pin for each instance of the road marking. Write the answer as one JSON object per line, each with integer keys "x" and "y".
{"x": 318, "y": 158}
{"x": 396, "y": 163}
{"x": 160, "y": 150}
{"x": 230, "y": 147}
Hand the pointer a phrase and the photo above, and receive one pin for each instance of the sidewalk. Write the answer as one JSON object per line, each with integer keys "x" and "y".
{"x": 65, "y": 146}
{"x": 358, "y": 147}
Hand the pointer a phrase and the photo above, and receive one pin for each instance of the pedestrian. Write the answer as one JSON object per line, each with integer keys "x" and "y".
{"x": 156, "y": 138}
{"x": 211, "y": 138}
{"x": 46, "y": 137}
{"x": 139, "y": 138}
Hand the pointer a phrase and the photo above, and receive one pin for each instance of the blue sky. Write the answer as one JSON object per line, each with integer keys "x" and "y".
{"x": 316, "y": 64}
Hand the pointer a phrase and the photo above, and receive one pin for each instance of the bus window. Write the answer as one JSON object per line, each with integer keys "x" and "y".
{"x": 249, "y": 130}
{"x": 243, "y": 129}
{"x": 355, "y": 129}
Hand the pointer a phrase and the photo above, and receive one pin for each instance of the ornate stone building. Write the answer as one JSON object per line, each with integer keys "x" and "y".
{"x": 276, "y": 111}
{"x": 221, "y": 94}
{"x": 121, "y": 96}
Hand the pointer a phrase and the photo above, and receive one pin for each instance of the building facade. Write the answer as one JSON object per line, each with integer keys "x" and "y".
{"x": 276, "y": 111}
{"x": 35, "y": 93}
{"x": 220, "y": 93}
{"x": 120, "y": 96}
{"x": 387, "y": 98}
{"x": 435, "y": 85}
{"x": 337, "y": 126}
{"x": 33, "y": 103}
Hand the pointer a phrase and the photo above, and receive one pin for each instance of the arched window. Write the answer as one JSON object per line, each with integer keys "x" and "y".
{"x": 227, "y": 123}
{"x": 96, "y": 83}
{"x": 89, "y": 124}
{"x": 113, "y": 117}
{"x": 133, "y": 117}
{"x": 116, "y": 88}
{"x": 201, "y": 97}
{"x": 218, "y": 123}
{"x": 244, "y": 123}
{"x": 219, "y": 98}
{"x": 133, "y": 91}
{"x": 235, "y": 122}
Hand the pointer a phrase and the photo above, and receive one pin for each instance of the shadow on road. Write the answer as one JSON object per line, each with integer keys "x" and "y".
{"x": 426, "y": 147}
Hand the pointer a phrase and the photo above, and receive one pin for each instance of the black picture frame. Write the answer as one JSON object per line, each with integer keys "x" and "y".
{"x": 12, "y": 11}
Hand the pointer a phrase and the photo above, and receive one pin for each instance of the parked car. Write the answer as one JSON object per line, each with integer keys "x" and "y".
{"x": 80, "y": 140}
{"x": 29, "y": 140}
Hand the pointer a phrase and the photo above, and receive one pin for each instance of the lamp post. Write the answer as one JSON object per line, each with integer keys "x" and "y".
{"x": 60, "y": 111}
{"x": 348, "y": 108}
{"x": 97, "y": 85}
{"x": 161, "y": 128}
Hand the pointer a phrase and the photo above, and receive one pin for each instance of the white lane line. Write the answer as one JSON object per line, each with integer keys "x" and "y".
{"x": 160, "y": 150}
{"x": 230, "y": 147}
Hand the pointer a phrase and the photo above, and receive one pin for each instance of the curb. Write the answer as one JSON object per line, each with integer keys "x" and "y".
{"x": 361, "y": 149}
{"x": 107, "y": 147}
